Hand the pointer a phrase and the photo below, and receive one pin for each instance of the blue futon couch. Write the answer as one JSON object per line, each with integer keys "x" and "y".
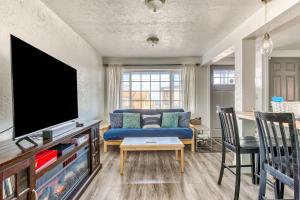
{"x": 114, "y": 136}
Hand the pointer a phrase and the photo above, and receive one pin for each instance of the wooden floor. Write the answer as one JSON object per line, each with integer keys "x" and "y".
{"x": 156, "y": 176}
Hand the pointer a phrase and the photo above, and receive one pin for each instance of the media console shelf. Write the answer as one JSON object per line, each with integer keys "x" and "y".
{"x": 65, "y": 178}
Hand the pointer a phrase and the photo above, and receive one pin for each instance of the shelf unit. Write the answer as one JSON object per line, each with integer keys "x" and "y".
{"x": 20, "y": 181}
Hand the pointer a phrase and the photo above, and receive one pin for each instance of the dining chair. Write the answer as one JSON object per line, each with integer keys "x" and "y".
{"x": 279, "y": 152}
{"x": 239, "y": 145}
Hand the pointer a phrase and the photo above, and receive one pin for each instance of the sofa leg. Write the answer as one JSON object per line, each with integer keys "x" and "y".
{"x": 105, "y": 147}
{"x": 193, "y": 147}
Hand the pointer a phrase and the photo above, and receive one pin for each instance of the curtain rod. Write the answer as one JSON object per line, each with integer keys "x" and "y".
{"x": 150, "y": 65}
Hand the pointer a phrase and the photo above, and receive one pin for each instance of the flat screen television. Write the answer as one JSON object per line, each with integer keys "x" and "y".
{"x": 44, "y": 89}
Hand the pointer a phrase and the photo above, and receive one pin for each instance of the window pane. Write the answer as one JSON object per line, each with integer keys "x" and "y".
{"x": 145, "y": 86}
{"x": 136, "y": 104}
{"x": 155, "y": 76}
{"x": 135, "y": 96}
{"x": 177, "y": 85}
{"x": 153, "y": 89}
{"x": 146, "y": 104}
{"x": 125, "y": 96}
{"x": 176, "y": 104}
{"x": 165, "y": 85}
{"x": 146, "y": 76}
{"x": 217, "y": 81}
{"x": 125, "y": 86}
{"x": 177, "y": 76}
{"x": 155, "y": 95}
{"x": 145, "y": 95}
{"x": 177, "y": 95}
{"x": 136, "y": 76}
{"x": 155, "y": 86}
{"x": 165, "y": 95}
{"x": 125, "y": 76}
{"x": 155, "y": 104}
{"x": 125, "y": 104}
{"x": 136, "y": 86}
{"x": 165, "y": 104}
{"x": 165, "y": 76}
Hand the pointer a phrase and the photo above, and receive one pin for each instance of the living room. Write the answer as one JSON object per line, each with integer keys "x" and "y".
{"x": 149, "y": 99}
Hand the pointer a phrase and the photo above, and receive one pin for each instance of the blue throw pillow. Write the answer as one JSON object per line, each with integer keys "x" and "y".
{"x": 131, "y": 120}
{"x": 184, "y": 119}
{"x": 170, "y": 120}
{"x": 151, "y": 121}
{"x": 116, "y": 120}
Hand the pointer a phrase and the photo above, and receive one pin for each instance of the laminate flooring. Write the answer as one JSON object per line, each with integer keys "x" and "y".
{"x": 156, "y": 176}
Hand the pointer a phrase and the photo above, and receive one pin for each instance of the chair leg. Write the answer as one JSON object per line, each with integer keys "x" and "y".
{"x": 279, "y": 189}
{"x": 257, "y": 168}
{"x": 237, "y": 177}
{"x": 252, "y": 155}
{"x": 222, "y": 164}
{"x": 262, "y": 185}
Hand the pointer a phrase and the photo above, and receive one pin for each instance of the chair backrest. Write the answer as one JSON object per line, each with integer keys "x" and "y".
{"x": 230, "y": 133}
{"x": 279, "y": 146}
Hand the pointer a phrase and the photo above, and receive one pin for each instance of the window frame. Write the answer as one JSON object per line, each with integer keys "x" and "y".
{"x": 171, "y": 89}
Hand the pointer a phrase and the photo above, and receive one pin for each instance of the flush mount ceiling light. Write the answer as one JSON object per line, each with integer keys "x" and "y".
{"x": 153, "y": 40}
{"x": 267, "y": 43}
{"x": 155, "y": 5}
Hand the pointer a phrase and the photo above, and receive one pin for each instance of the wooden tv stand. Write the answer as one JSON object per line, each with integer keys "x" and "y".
{"x": 66, "y": 178}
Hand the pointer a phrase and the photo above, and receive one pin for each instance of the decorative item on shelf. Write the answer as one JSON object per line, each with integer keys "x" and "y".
{"x": 155, "y": 5}
{"x": 267, "y": 43}
{"x": 196, "y": 121}
{"x": 153, "y": 40}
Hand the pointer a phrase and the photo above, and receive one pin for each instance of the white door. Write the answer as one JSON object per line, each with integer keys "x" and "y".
{"x": 222, "y": 93}
{"x": 284, "y": 78}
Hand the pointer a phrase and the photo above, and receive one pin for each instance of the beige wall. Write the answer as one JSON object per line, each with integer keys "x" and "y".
{"x": 33, "y": 22}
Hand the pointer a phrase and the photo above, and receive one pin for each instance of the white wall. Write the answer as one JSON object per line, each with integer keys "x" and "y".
{"x": 33, "y": 22}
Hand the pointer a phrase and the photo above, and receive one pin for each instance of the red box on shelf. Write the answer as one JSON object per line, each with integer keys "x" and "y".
{"x": 44, "y": 159}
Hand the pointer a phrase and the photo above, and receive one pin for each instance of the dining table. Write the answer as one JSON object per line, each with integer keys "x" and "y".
{"x": 249, "y": 115}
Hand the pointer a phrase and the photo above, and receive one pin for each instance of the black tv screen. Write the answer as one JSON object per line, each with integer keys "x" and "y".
{"x": 44, "y": 89}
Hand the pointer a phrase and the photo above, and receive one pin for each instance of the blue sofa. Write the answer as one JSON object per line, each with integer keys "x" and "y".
{"x": 114, "y": 136}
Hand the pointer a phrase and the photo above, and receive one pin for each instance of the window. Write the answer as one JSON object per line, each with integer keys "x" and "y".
{"x": 151, "y": 89}
{"x": 223, "y": 77}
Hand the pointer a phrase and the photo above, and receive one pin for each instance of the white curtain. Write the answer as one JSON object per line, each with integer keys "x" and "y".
{"x": 113, "y": 83}
{"x": 189, "y": 88}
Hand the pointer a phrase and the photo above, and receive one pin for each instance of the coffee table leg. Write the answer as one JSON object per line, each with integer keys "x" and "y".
{"x": 121, "y": 161}
{"x": 176, "y": 154}
{"x": 125, "y": 155}
{"x": 182, "y": 160}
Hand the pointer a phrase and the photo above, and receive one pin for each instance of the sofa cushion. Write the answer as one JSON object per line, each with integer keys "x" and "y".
{"x": 116, "y": 120}
{"x": 184, "y": 119}
{"x": 131, "y": 120}
{"x": 148, "y": 112}
{"x": 170, "y": 120}
{"x": 151, "y": 121}
{"x": 121, "y": 133}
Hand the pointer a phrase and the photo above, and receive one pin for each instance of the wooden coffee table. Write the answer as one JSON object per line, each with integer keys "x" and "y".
{"x": 151, "y": 144}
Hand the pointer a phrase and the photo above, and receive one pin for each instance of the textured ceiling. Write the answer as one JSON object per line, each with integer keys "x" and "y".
{"x": 287, "y": 37}
{"x": 185, "y": 27}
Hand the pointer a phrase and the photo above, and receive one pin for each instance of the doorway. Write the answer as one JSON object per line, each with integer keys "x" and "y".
{"x": 222, "y": 93}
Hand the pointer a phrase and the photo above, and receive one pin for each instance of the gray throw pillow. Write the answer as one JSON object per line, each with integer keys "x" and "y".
{"x": 184, "y": 119}
{"x": 116, "y": 120}
{"x": 151, "y": 121}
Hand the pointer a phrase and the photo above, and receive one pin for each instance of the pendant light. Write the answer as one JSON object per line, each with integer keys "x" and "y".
{"x": 267, "y": 43}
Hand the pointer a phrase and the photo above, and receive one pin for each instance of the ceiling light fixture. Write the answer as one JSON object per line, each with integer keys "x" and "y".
{"x": 155, "y": 5}
{"x": 153, "y": 40}
{"x": 267, "y": 43}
